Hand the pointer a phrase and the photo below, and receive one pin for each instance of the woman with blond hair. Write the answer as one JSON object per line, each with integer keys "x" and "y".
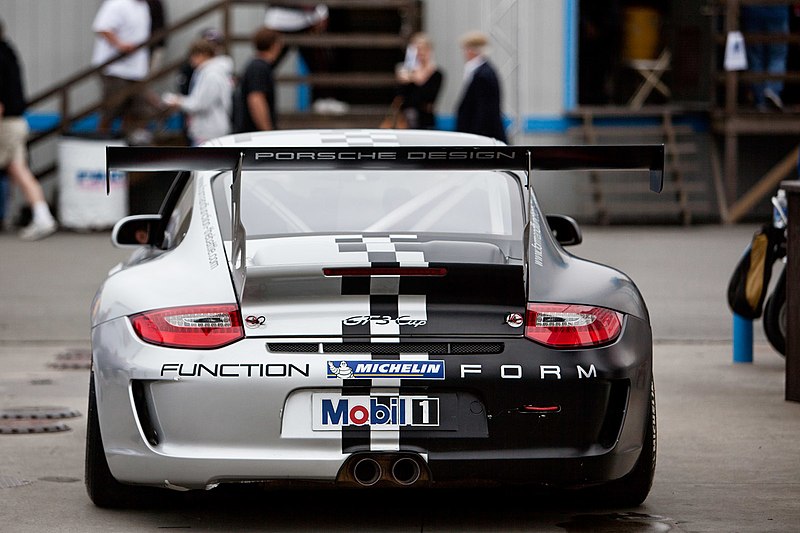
{"x": 420, "y": 81}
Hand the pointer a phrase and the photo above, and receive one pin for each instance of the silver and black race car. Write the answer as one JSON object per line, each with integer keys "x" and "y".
{"x": 367, "y": 308}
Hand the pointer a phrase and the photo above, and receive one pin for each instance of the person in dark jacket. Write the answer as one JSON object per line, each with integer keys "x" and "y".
{"x": 479, "y": 108}
{"x": 254, "y": 105}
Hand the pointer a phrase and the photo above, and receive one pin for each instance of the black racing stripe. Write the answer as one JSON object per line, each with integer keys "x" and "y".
{"x": 383, "y": 305}
{"x": 341, "y": 240}
{"x": 354, "y": 438}
{"x": 356, "y": 387}
{"x": 359, "y": 333}
{"x": 355, "y": 285}
{"x": 392, "y": 263}
{"x": 467, "y": 283}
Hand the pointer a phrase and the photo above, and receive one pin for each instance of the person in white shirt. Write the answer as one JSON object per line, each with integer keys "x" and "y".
{"x": 293, "y": 18}
{"x": 208, "y": 104}
{"x": 306, "y": 18}
{"x": 120, "y": 26}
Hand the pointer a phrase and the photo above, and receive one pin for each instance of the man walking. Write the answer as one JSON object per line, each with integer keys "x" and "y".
{"x": 120, "y": 26}
{"x": 13, "y": 142}
{"x": 255, "y": 108}
{"x": 479, "y": 108}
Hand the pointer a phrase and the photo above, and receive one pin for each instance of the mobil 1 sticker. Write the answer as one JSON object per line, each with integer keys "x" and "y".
{"x": 332, "y": 411}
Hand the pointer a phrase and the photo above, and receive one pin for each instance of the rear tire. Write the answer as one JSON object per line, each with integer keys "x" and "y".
{"x": 632, "y": 489}
{"x": 774, "y": 319}
{"x": 103, "y": 489}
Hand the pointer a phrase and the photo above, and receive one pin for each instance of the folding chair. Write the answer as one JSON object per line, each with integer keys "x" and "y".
{"x": 651, "y": 71}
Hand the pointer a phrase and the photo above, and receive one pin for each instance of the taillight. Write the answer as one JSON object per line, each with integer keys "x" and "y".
{"x": 200, "y": 326}
{"x": 571, "y": 326}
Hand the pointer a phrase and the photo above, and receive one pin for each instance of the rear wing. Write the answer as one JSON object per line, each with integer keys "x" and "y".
{"x": 517, "y": 158}
{"x": 522, "y": 158}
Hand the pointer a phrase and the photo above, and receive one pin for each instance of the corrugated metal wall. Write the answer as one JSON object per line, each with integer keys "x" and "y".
{"x": 535, "y": 85}
{"x": 54, "y": 39}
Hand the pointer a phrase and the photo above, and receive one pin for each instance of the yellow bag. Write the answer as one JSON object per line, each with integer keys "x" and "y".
{"x": 748, "y": 285}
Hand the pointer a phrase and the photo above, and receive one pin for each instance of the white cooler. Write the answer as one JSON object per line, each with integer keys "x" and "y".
{"x": 82, "y": 199}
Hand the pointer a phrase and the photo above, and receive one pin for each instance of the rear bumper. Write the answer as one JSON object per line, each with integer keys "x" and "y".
{"x": 193, "y": 418}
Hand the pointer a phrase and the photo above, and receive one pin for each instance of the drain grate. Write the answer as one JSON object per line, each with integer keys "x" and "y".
{"x": 36, "y": 419}
{"x": 9, "y": 482}
{"x": 60, "y": 479}
{"x": 37, "y": 413}
{"x": 74, "y": 359}
{"x": 28, "y": 426}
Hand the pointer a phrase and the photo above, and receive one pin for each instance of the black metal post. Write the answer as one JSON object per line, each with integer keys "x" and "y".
{"x": 792, "y": 189}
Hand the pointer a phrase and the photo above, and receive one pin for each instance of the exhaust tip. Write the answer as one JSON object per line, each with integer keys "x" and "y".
{"x": 384, "y": 470}
{"x": 406, "y": 471}
{"x": 367, "y": 471}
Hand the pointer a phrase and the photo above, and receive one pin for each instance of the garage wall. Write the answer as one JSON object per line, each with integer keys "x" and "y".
{"x": 52, "y": 37}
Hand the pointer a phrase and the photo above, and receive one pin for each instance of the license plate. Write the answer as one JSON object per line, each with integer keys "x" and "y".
{"x": 378, "y": 412}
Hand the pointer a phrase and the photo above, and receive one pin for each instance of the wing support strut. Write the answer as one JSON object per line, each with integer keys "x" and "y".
{"x": 238, "y": 246}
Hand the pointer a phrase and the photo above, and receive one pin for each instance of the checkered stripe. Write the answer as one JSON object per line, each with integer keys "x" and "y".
{"x": 383, "y": 291}
{"x": 358, "y": 138}
{"x": 394, "y": 250}
{"x": 384, "y": 300}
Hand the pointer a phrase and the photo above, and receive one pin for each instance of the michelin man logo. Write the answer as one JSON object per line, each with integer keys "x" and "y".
{"x": 343, "y": 371}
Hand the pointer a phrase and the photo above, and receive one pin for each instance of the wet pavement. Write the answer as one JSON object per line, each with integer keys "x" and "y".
{"x": 728, "y": 442}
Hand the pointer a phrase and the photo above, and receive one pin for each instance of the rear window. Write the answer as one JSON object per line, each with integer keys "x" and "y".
{"x": 281, "y": 203}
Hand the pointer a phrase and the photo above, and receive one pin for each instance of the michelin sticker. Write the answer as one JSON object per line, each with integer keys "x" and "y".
{"x": 371, "y": 369}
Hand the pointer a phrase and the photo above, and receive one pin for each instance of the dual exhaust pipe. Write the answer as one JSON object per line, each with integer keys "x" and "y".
{"x": 367, "y": 470}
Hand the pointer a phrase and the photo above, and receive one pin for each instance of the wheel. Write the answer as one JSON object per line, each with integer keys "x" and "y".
{"x": 632, "y": 489}
{"x": 103, "y": 489}
{"x": 774, "y": 319}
